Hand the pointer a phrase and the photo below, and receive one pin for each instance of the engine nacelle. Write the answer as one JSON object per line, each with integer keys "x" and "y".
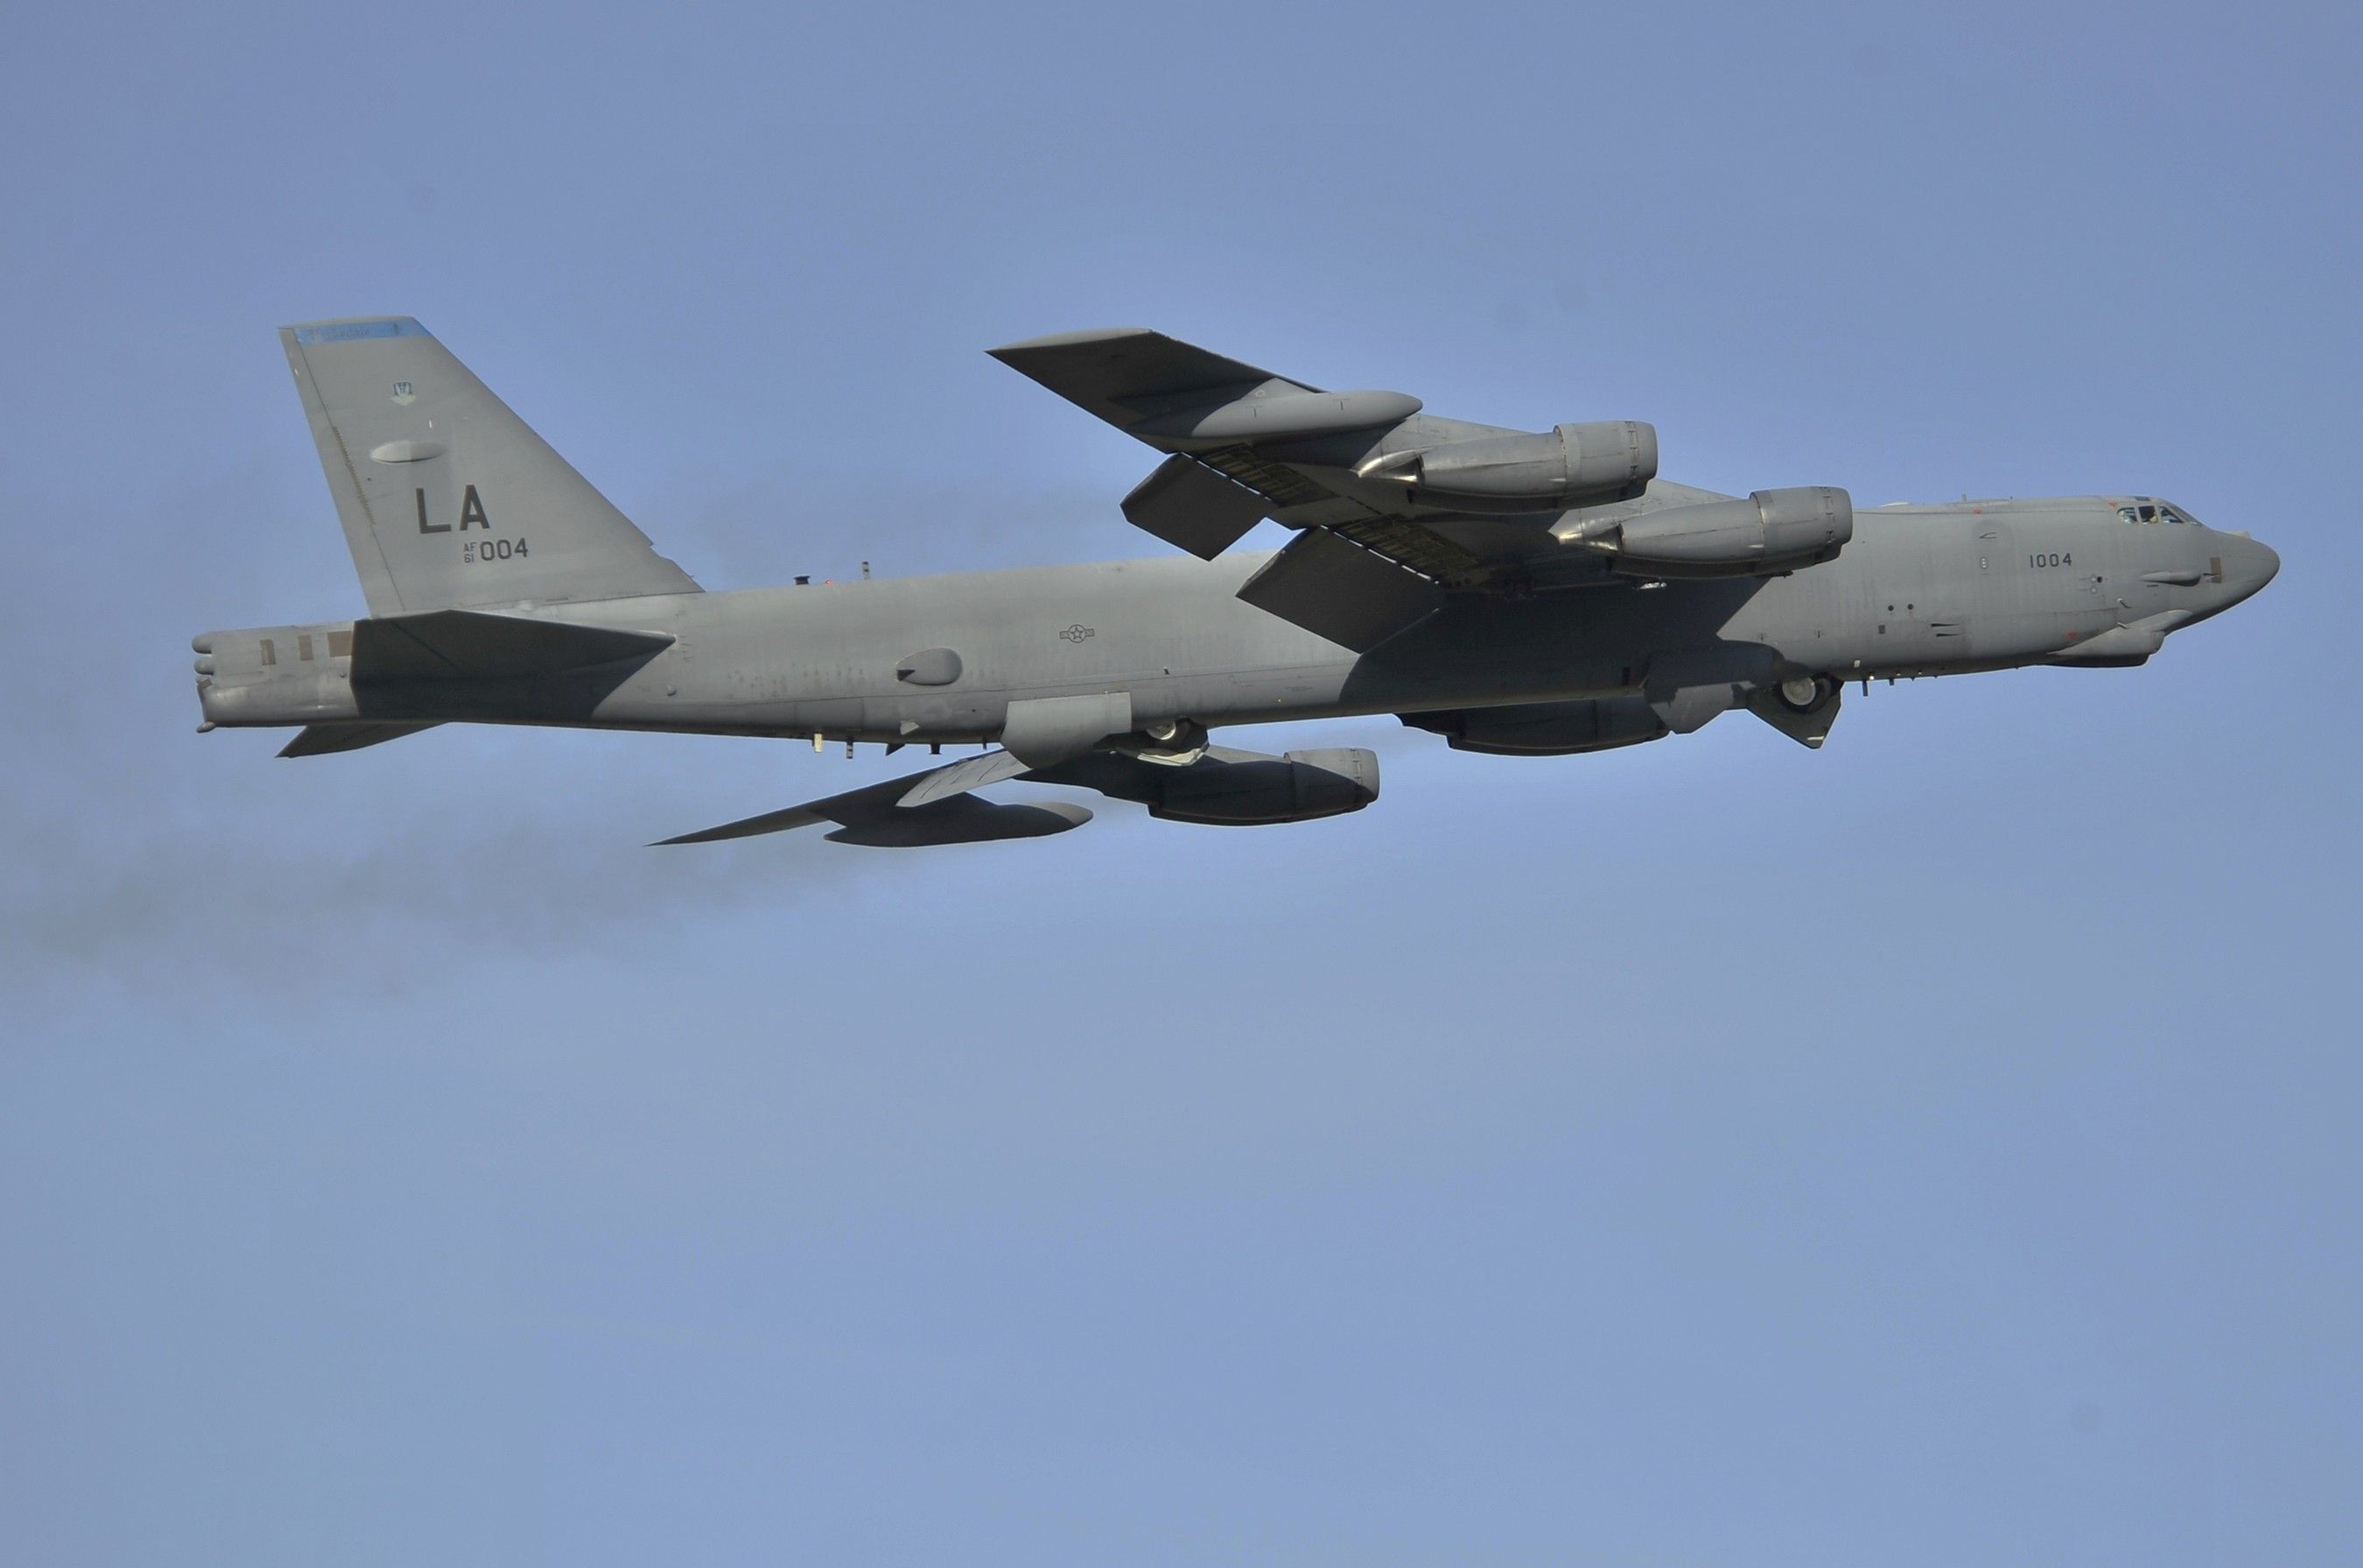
{"x": 1772, "y": 530}
{"x": 1545, "y": 729}
{"x": 1296, "y": 788}
{"x": 1573, "y": 465}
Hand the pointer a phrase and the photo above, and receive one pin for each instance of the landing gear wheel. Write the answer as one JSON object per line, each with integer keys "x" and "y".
{"x": 1807, "y": 693}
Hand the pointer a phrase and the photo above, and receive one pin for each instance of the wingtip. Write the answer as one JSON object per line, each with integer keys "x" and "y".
{"x": 1069, "y": 340}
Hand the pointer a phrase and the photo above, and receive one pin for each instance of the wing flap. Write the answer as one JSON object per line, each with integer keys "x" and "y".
{"x": 1187, "y": 503}
{"x": 1334, "y": 588}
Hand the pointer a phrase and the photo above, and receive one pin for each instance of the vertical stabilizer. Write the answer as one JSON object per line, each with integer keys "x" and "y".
{"x": 448, "y": 499}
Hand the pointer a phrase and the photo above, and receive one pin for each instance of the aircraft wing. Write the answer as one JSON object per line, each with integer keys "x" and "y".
{"x": 1394, "y": 507}
{"x": 1222, "y": 417}
{"x": 875, "y": 815}
{"x": 1219, "y": 785}
{"x": 1128, "y": 374}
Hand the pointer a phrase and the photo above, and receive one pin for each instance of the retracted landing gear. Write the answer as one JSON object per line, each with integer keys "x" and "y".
{"x": 1803, "y": 708}
{"x": 1807, "y": 693}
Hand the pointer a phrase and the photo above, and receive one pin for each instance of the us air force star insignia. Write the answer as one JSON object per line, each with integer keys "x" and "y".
{"x": 403, "y": 395}
{"x": 1077, "y": 632}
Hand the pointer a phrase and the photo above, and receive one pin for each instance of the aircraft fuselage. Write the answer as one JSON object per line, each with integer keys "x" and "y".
{"x": 1920, "y": 591}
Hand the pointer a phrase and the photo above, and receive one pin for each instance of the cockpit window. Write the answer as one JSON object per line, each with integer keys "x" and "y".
{"x": 2140, "y": 511}
{"x": 2171, "y": 515}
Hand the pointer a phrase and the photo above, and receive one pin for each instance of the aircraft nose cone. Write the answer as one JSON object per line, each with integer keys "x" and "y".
{"x": 2248, "y": 565}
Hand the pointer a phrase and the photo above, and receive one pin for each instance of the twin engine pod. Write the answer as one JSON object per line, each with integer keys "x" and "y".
{"x": 1545, "y": 729}
{"x": 1231, "y": 788}
{"x": 1298, "y": 786}
{"x": 1572, "y": 465}
{"x": 1772, "y": 530}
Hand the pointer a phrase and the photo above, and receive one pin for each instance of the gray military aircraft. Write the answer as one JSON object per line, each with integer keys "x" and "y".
{"x": 1537, "y": 594}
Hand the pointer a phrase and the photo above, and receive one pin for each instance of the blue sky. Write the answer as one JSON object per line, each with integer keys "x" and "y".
{"x": 1936, "y": 1148}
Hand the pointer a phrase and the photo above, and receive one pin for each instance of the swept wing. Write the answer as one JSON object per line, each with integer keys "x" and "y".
{"x": 1394, "y": 507}
{"x": 1222, "y": 786}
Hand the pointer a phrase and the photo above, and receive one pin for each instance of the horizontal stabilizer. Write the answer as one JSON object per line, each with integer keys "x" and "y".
{"x": 320, "y": 740}
{"x": 470, "y": 644}
{"x": 1334, "y": 589}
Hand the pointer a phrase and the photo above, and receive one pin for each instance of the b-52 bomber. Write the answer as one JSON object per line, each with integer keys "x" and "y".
{"x": 1537, "y": 594}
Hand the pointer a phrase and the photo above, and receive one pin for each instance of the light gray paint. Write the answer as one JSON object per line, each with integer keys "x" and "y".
{"x": 1058, "y": 661}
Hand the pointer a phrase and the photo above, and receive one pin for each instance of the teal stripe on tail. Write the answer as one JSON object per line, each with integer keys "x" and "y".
{"x": 448, "y": 499}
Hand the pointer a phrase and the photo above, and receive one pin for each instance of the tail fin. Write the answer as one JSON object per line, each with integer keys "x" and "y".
{"x": 448, "y": 499}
